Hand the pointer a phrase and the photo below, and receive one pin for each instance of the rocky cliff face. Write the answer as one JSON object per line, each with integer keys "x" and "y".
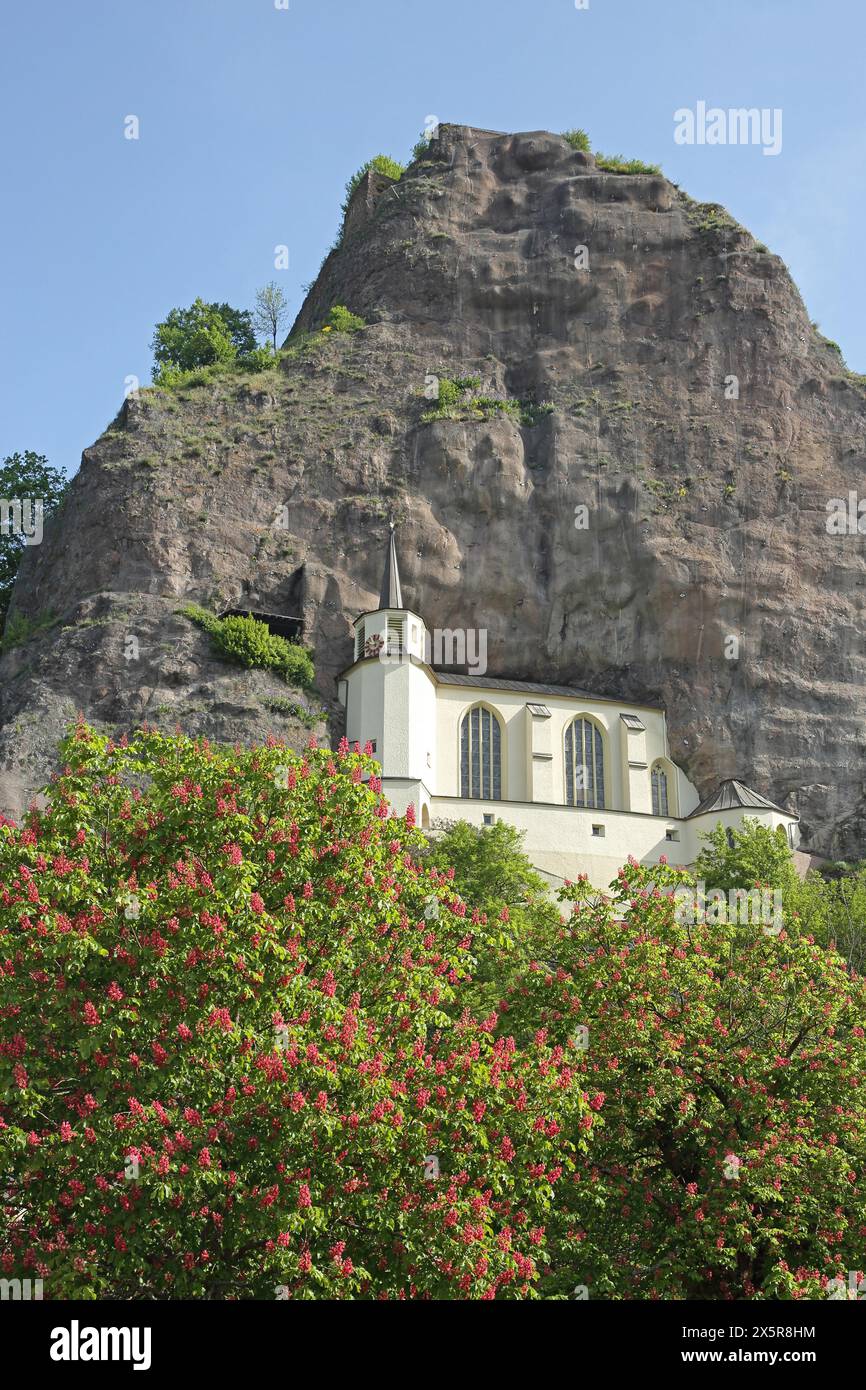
{"x": 701, "y": 573}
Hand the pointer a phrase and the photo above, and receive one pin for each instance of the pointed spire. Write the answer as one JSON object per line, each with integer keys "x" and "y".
{"x": 391, "y": 595}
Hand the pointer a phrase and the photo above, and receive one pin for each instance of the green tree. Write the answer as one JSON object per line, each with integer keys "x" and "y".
{"x": 729, "y": 1066}
{"x": 240, "y": 326}
{"x": 233, "y": 1061}
{"x": 23, "y": 477}
{"x": 271, "y": 311}
{"x": 489, "y": 869}
{"x": 200, "y": 336}
{"x": 834, "y": 912}
{"x": 832, "y": 909}
{"x": 742, "y": 858}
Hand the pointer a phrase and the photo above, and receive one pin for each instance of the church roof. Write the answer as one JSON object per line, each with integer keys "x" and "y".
{"x": 732, "y": 795}
{"x": 530, "y": 687}
{"x": 391, "y": 595}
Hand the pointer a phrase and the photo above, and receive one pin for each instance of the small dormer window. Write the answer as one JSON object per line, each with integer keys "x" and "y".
{"x": 631, "y": 721}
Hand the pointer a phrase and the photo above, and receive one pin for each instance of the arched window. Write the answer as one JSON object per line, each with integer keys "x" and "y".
{"x": 660, "y": 791}
{"x": 481, "y": 755}
{"x": 584, "y": 764}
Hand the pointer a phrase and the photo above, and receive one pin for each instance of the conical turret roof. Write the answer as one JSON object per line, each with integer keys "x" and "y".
{"x": 391, "y": 595}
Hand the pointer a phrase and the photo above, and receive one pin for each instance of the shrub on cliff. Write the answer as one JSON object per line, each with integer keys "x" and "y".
{"x": 341, "y": 320}
{"x": 381, "y": 164}
{"x": 249, "y": 642}
{"x": 617, "y": 164}
{"x": 578, "y": 140}
{"x": 233, "y": 1061}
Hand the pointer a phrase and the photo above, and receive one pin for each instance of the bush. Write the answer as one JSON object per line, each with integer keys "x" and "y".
{"x": 420, "y": 148}
{"x": 611, "y": 163}
{"x": 382, "y": 164}
{"x": 249, "y": 642}
{"x": 451, "y": 393}
{"x": 261, "y": 359}
{"x": 209, "y": 621}
{"x": 578, "y": 140}
{"x": 19, "y": 629}
{"x": 616, "y": 164}
{"x": 341, "y": 321}
{"x": 456, "y": 401}
{"x": 233, "y": 1057}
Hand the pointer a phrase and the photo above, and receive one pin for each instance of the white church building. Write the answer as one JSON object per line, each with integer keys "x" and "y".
{"x": 588, "y": 779}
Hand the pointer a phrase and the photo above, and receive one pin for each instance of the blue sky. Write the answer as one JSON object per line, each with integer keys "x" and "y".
{"x": 252, "y": 118}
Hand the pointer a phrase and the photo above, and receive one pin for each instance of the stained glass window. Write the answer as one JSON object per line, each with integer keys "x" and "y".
{"x": 481, "y": 755}
{"x": 584, "y": 764}
{"x": 660, "y": 791}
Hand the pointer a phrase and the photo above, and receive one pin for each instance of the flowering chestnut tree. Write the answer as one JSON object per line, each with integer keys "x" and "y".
{"x": 729, "y": 1063}
{"x": 233, "y": 1059}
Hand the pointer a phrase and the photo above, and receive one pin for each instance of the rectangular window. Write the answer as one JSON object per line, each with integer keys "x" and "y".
{"x": 599, "y": 772}
{"x": 672, "y": 834}
{"x": 476, "y": 751}
{"x": 480, "y": 755}
{"x": 598, "y": 830}
{"x": 485, "y": 753}
{"x": 395, "y": 637}
{"x": 488, "y": 818}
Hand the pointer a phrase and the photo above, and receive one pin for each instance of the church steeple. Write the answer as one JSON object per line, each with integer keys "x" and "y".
{"x": 391, "y": 595}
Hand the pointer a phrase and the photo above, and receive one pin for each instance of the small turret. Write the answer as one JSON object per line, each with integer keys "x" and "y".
{"x": 389, "y": 692}
{"x": 391, "y": 630}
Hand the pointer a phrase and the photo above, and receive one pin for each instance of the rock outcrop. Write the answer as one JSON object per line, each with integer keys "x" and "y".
{"x": 697, "y": 416}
